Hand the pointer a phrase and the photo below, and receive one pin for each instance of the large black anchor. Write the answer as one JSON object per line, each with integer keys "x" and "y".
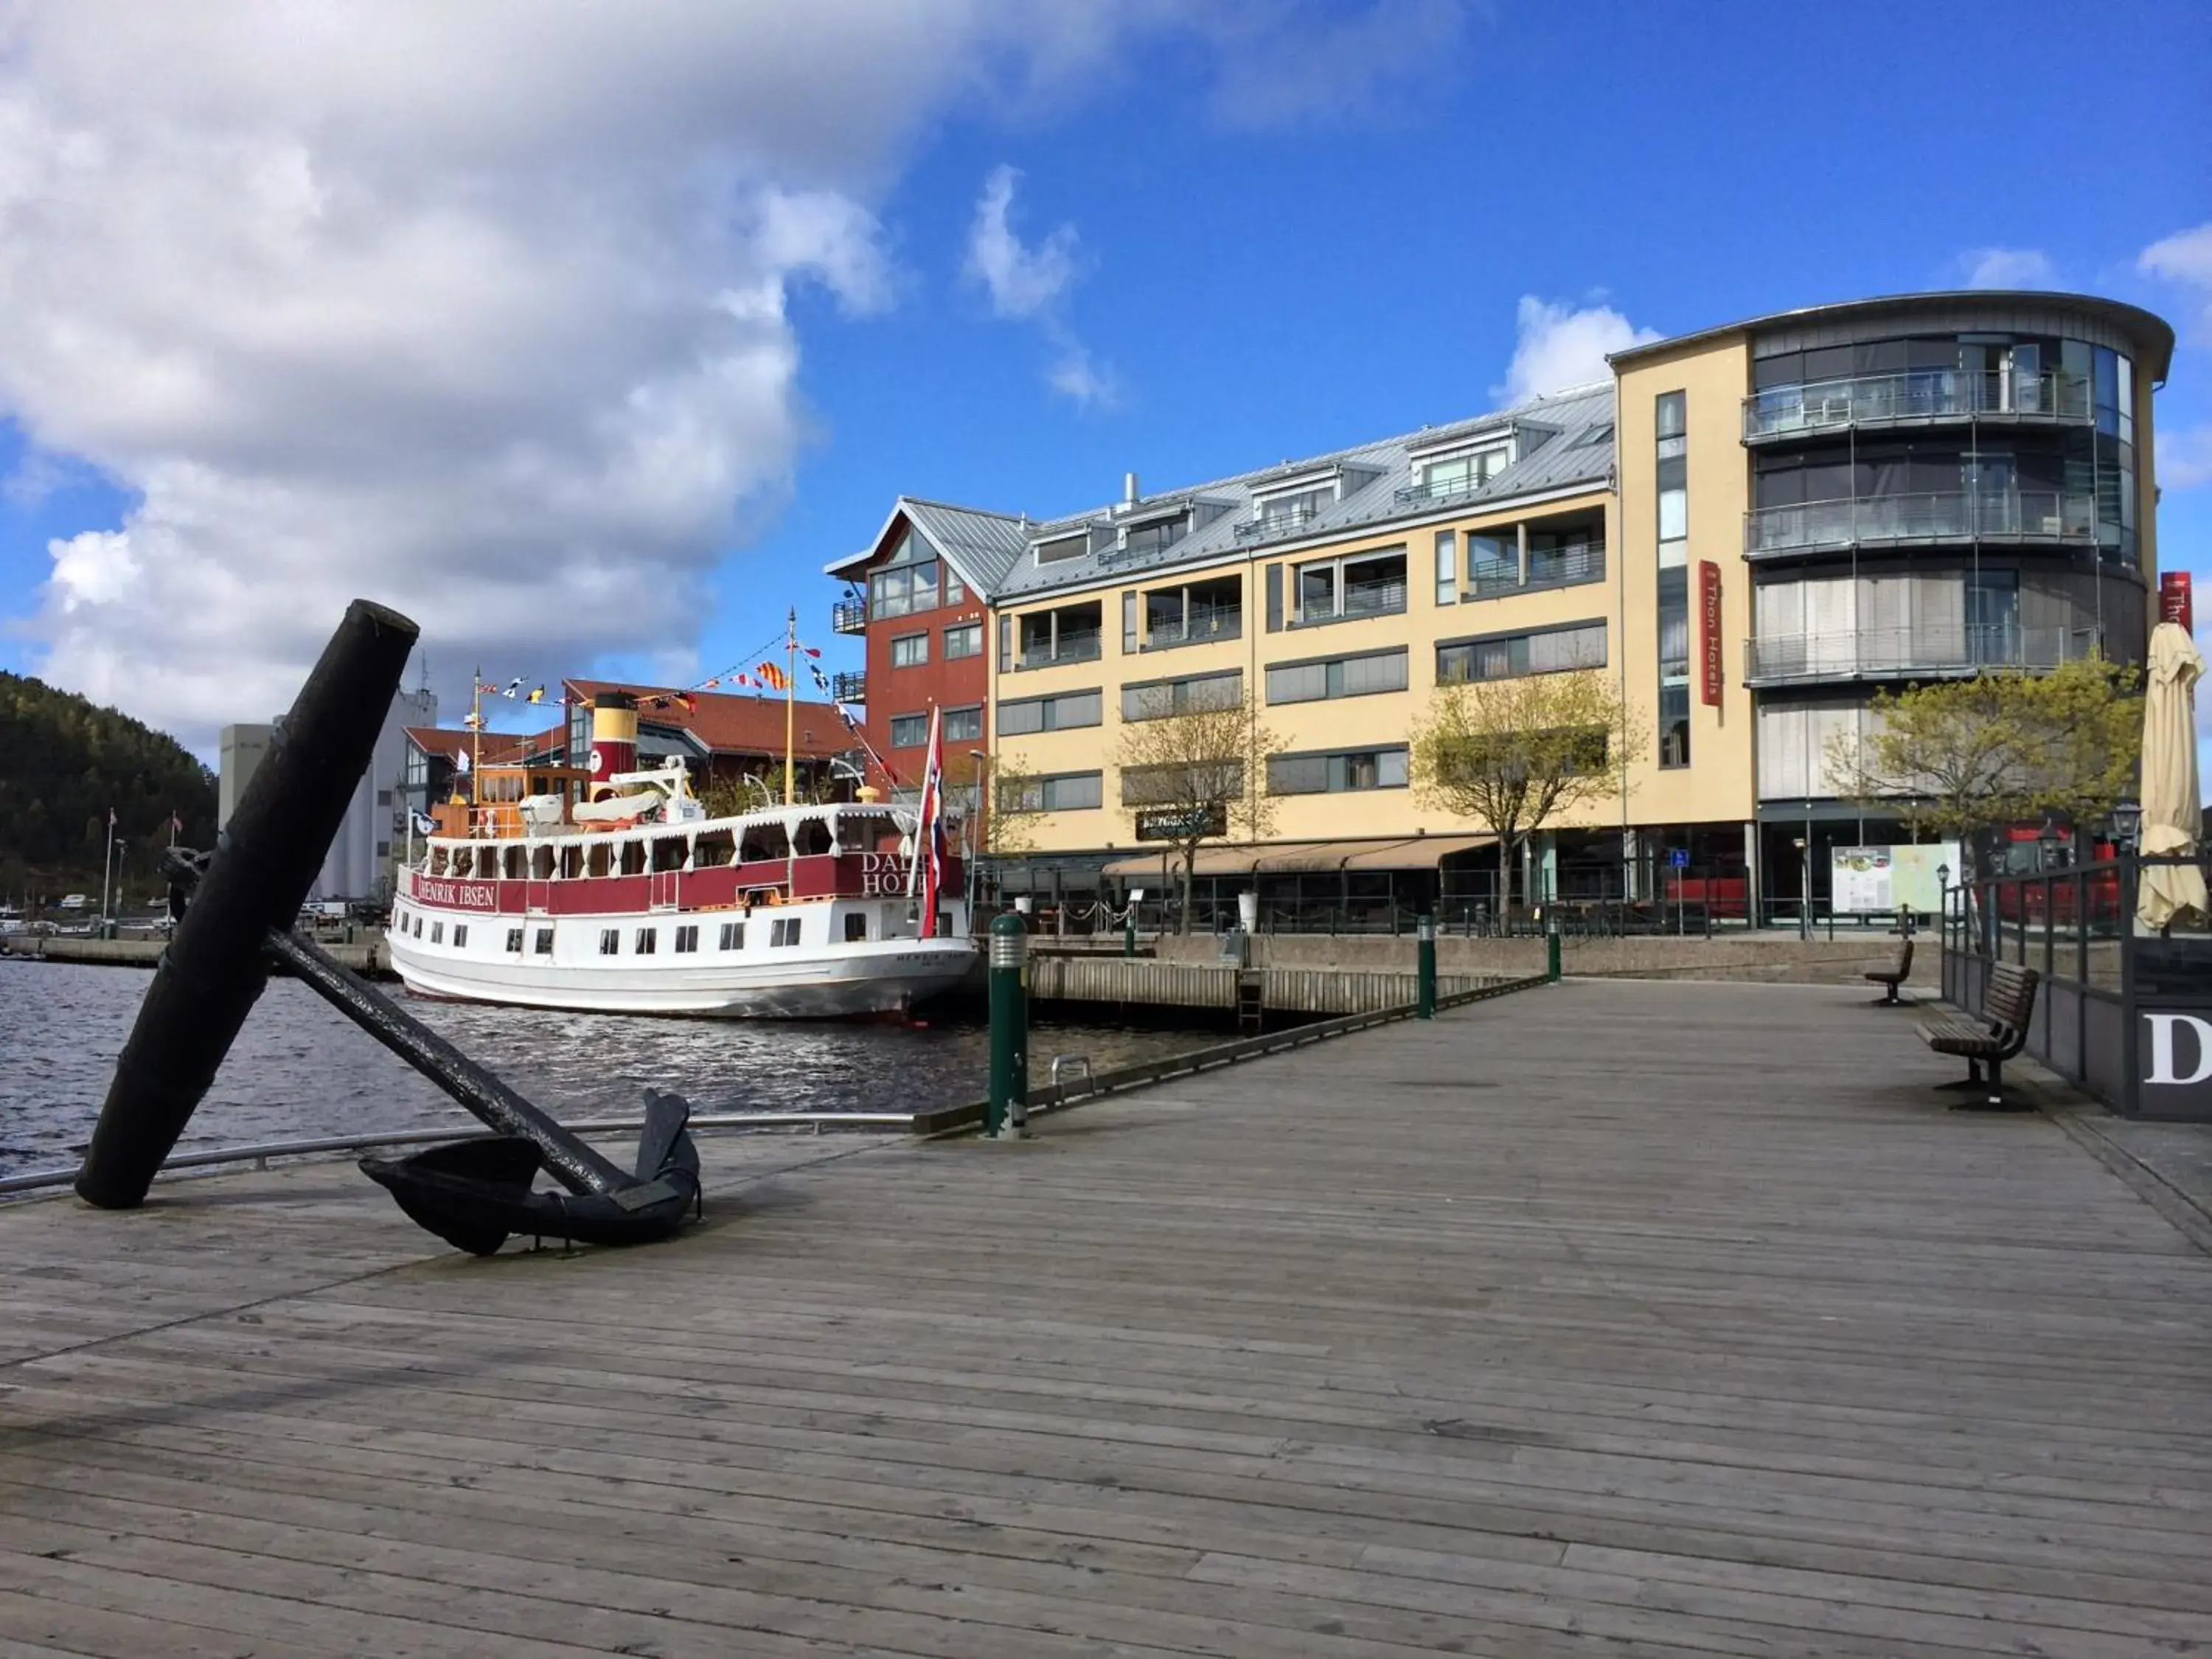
{"x": 237, "y": 906}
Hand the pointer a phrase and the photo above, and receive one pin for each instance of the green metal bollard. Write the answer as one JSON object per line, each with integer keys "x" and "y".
{"x": 1006, "y": 1114}
{"x": 1552, "y": 949}
{"x": 1424, "y": 974}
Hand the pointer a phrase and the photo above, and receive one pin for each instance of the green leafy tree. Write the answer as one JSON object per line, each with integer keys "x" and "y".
{"x": 64, "y": 762}
{"x": 1513, "y": 755}
{"x": 1961, "y": 759}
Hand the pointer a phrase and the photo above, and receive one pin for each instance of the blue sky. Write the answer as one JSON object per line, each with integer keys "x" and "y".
{"x": 1267, "y": 260}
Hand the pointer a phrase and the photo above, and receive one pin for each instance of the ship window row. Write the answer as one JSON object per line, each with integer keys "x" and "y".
{"x": 644, "y": 942}
{"x": 708, "y": 849}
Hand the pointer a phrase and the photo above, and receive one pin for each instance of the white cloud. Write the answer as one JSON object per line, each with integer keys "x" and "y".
{"x": 1285, "y": 62}
{"x": 1076, "y": 377}
{"x": 2185, "y": 460}
{"x": 1557, "y": 345}
{"x": 1032, "y": 285}
{"x": 485, "y": 318}
{"x": 1022, "y": 281}
{"x": 480, "y": 313}
{"x": 2185, "y": 259}
{"x": 2009, "y": 267}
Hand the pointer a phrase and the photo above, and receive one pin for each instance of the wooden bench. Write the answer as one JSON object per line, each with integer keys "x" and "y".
{"x": 1890, "y": 978}
{"x": 1991, "y": 1039}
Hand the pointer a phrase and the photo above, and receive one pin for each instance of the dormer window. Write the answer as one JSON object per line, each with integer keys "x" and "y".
{"x": 1158, "y": 533}
{"x": 1061, "y": 548}
{"x": 1466, "y": 472}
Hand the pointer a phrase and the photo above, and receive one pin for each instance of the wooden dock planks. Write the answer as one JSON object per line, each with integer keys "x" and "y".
{"x": 1611, "y": 1318}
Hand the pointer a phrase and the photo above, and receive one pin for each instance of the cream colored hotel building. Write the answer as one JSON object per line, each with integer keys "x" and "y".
{"x": 1752, "y": 528}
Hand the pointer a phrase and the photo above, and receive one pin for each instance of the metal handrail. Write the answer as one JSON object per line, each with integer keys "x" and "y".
{"x": 260, "y": 1153}
{"x": 850, "y": 616}
{"x": 1956, "y": 649}
{"x": 1938, "y": 515}
{"x": 1915, "y": 396}
{"x": 1554, "y": 567}
{"x": 850, "y": 685}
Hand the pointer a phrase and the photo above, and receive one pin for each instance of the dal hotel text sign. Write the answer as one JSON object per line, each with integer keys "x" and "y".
{"x": 1709, "y": 629}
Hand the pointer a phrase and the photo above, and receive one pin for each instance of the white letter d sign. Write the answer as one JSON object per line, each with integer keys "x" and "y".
{"x": 2161, "y": 1049}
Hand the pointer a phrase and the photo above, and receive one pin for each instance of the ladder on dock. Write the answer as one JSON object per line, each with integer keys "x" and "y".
{"x": 1251, "y": 1001}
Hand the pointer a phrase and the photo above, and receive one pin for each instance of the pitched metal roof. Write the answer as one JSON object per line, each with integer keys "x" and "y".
{"x": 1570, "y": 432}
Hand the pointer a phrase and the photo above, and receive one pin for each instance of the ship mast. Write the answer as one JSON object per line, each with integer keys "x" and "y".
{"x": 476, "y": 743}
{"x": 790, "y": 699}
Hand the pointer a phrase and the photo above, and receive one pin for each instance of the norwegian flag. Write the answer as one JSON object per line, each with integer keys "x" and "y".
{"x": 928, "y": 866}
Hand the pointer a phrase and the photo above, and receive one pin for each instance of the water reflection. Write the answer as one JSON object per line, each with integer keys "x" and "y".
{"x": 300, "y": 1069}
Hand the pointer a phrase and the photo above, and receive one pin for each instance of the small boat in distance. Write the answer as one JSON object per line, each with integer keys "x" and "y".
{"x": 608, "y": 889}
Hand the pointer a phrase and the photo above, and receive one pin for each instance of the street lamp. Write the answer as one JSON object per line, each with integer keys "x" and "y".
{"x": 2127, "y": 818}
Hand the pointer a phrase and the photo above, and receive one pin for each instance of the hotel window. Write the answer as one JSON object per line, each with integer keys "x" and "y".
{"x": 907, "y": 583}
{"x": 1447, "y": 567}
{"x": 1064, "y": 792}
{"x": 543, "y": 945}
{"x": 1173, "y": 785}
{"x": 1337, "y": 773}
{"x": 1295, "y": 511}
{"x": 965, "y": 640}
{"x": 1672, "y": 425}
{"x": 1157, "y": 699}
{"x": 687, "y": 940}
{"x": 1062, "y": 548}
{"x": 1060, "y": 713}
{"x": 964, "y": 725}
{"x": 909, "y": 650}
{"x": 1355, "y": 585}
{"x": 610, "y": 941}
{"x": 1510, "y": 656}
{"x": 648, "y": 939}
{"x": 733, "y": 936}
{"x": 1156, "y": 536}
{"x": 909, "y": 731}
{"x": 1337, "y": 677}
{"x": 784, "y": 932}
{"x": 437, "y": 932}
{"x": 514, "y": 941}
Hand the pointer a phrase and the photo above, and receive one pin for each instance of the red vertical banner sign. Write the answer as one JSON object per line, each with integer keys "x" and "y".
{"x": 1709, "y": 629}
{"x": 2173, "y": 601}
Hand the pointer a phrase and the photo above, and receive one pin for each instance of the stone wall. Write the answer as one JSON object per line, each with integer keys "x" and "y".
{"x": 1781, "y": 957}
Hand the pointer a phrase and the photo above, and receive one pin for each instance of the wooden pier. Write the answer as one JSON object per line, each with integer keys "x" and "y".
{"x": 1606, "y": 1318}
{"x": 365, "y": 954}
{"x": 1140, "y": 982}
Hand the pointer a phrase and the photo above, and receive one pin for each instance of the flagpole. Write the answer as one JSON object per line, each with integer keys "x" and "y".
{"x": 790, "y": 698}
{"x": 475, "y": 741}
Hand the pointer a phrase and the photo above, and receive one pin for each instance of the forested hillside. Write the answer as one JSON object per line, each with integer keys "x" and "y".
{"x": 64, "y": 763}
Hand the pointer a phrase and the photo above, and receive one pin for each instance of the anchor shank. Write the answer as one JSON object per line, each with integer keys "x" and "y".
{"x": 567, "y": 1159}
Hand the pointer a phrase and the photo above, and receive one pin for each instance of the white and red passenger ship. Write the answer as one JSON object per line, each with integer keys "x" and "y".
{"x": 610, "y": 889}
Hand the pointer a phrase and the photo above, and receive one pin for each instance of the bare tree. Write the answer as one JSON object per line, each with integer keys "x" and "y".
{"x": 1514, "y": 754}
{"x": 1194, "y": 774}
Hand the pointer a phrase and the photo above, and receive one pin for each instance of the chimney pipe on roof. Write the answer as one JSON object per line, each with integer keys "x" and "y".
{"x": 1129, "y": 496}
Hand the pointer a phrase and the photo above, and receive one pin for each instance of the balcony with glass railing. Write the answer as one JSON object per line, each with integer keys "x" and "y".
{"x": 1562, "y": 566}
{"x": 850, "y": 616}
{"x": 1914, "y": 397}
{"x": 1202, "y": 625}
{"x": 1268, "y": 526}
{"x": 2025, "y": 516}
{"x": 1913, "y": 652}
{"x": 847, "y": 685}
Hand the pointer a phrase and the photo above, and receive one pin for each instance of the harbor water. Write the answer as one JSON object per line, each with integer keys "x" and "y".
{"x": 299, "y": 1068}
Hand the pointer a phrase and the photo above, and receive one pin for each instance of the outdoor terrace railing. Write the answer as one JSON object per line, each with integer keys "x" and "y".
{"x": 1877, "y": 653}
{"x": 850, "y": 685}
{"x": 2023, "y": 515}
{"x": 1914, "y": 397}
{"x": 1222, "y": 622}
{"x": 1552, "y": 567}
{"x": 850, "y": 616}
{"x": 1268, "y": 526}
{"x": 1072, "y": 648}
{"x": 1442, "y": 490}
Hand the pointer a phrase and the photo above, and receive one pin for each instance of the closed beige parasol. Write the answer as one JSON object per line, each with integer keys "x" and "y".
{"x": 2171, "y": 817}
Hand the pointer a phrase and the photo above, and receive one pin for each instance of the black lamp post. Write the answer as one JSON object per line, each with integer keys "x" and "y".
{"x": 2127, "y": 818}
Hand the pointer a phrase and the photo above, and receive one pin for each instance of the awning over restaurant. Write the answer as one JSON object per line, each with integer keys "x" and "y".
{"x": 1306, "y": 857}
